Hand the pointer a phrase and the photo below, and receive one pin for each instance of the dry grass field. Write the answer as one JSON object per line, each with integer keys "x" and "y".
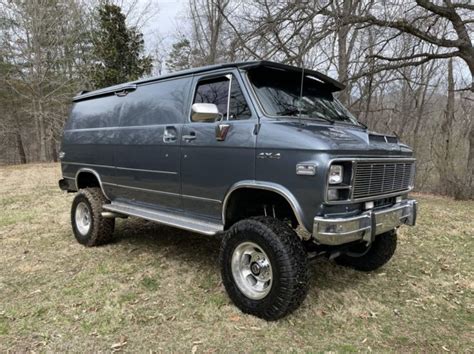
{"x": 157, "y": 288}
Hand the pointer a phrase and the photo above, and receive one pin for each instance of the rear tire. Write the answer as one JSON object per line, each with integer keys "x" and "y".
{"x": 264, "y": 267}
{"x": 88, "y": 225}
{"x": 373, "y": 257}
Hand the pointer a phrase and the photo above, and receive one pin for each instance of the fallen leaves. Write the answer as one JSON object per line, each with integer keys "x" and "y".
{"x": 120, "y": 344}
{"x": 195, "y": 346}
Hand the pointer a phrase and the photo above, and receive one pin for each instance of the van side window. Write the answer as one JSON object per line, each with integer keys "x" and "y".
{"x": 214, "y": 91}
{"x": 161, "y": 102}
{"x": 97, "y": 112}
{"x": 217, "y": 91}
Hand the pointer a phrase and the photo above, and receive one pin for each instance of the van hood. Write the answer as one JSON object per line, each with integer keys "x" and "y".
{"x": 341, "y": 139}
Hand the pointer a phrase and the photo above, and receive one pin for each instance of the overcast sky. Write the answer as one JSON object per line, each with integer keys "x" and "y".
{"x": 166, "y": 22}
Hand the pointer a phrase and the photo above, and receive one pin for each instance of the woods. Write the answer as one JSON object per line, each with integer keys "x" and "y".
{"x": 51, "y": 50}
{"x": 407, "y": 65}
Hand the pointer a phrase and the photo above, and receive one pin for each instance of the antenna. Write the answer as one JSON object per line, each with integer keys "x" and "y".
{"x": 301, "y": 89}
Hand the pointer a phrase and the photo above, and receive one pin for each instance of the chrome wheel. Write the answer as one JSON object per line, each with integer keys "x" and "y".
{"x": 83, "y": 218}
{"x": 252, "y": 270}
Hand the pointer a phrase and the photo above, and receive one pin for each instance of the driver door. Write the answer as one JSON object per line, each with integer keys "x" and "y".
{"x": 217, "y": 154}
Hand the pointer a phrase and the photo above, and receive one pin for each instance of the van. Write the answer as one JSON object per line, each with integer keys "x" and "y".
{"x": 260, "y": 154}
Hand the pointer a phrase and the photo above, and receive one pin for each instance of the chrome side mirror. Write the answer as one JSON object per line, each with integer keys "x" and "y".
{"x": 205, "y": 112}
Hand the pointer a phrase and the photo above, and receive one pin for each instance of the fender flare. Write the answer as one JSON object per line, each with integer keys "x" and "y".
{"x": 268, "y": 186}
{"x": 95, "y": 173}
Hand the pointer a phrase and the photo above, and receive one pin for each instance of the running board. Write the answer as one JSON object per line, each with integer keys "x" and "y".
{"x": 182, "y": 222}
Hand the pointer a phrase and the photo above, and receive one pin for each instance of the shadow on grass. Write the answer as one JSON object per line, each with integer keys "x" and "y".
{"x": 148, "y": 236}
{"x": 203, "y": 252}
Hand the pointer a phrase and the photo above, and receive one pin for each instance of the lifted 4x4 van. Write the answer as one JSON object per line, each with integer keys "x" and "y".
{"x": 247, "y": 151}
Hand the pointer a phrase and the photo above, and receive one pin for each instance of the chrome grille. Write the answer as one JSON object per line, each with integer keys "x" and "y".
{"x": 379, "y": 178}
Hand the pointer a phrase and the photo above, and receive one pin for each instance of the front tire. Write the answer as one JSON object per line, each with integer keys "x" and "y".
{"x": 264, "y": 267}
{"x": 88, "y": 225}
{"x": 370, "y": 258}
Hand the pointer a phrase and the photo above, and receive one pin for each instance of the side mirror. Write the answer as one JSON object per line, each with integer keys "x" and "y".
{"x": 205, "y": 112}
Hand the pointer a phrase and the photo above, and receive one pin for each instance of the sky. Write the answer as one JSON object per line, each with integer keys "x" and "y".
{"x": 166, "y": 22}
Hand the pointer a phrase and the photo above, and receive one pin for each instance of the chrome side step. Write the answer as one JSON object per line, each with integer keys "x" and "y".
{"x": 179, "y": 221}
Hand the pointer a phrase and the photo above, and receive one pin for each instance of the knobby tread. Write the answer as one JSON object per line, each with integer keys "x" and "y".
{"x": 102, "y": 228}
{"x": 289, "y": 261}
{"x": 380, "y": 252}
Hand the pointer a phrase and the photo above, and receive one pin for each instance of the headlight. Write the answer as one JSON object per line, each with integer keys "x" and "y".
{"x": 336, "y": 173}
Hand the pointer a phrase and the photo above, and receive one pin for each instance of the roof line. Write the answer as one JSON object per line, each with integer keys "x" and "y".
{"x": 334, "y": 84}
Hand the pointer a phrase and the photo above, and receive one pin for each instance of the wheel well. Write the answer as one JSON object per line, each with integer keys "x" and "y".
{"x": 87, "y": 179}
{"x": 248, "y": 202}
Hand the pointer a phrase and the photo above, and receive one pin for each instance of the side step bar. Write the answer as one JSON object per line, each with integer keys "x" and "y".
{"x": 179, "y": 221}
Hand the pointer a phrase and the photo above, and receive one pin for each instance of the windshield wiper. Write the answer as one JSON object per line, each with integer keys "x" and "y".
{"x": 363, "y": 124}
{"x": 291, "y": 112}
{"x": 294, "y": 112}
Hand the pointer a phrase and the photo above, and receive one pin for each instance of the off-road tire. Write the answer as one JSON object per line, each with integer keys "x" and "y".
{"x": 288, "y": 260}
{"x": 379, "y": 253}
{"x": 101, "y": 229}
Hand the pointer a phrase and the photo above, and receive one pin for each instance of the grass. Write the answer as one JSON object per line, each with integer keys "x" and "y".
{"x": 157, "y": 288}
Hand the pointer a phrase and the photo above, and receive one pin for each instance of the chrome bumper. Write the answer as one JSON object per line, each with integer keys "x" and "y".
{"x": 364, "y": 227}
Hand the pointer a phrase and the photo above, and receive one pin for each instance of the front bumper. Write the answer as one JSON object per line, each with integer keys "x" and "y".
{"x": 364, "y": 227}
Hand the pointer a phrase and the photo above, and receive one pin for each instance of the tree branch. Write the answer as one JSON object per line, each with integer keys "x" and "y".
{"x": 404, "y": 63}
{"x": 401, "y": 25}
{"x": 429, "y": 56}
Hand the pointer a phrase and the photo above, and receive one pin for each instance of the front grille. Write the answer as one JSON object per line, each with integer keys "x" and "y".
{"x": 379, "y": 178}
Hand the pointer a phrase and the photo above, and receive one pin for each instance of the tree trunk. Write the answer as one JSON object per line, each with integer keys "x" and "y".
{"x": 42, "y": 133}
{"x": 468, "y": 55}
{"x": 53, "y": 150}
{"x": 343, "y": 59}
{"x": 470, "y": 163}
{"x": 420, "y": 112}
{"x": 445, "y": 165}
{"x": 21, "y": 148}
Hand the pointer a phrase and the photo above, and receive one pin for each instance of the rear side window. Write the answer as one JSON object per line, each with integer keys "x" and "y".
{"x": 98, "y": 112}
{"x": 162, "y": 102}
{"x": 216, "y": 91}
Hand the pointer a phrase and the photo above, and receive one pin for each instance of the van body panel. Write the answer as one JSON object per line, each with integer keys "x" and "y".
{"x": 148, "y": 153}
{"x": 209, "y": 167}
{"x": 91, "y": 138}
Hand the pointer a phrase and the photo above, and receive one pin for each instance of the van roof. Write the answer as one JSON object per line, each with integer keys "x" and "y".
{"x": 333, "y": 84}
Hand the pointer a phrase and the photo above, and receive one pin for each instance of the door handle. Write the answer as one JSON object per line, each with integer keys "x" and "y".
{"x": 190, "y": 137}
{"x": 169, "y": 135}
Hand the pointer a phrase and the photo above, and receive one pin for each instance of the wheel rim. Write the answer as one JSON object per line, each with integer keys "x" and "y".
{"x": 252, "y": 270}
{"x": 83, "y": 218}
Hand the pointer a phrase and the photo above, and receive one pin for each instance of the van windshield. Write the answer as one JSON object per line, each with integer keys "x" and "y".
{"x": 279, "y": 94}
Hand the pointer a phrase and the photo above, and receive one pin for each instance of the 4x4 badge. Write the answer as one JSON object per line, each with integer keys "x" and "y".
{"x": 269, "y": 155}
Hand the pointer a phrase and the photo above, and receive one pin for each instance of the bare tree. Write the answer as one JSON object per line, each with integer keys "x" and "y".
{"x": 40, "y": 44}
{"x": 431, "y": 23}
{"x": 207, "y": 26}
